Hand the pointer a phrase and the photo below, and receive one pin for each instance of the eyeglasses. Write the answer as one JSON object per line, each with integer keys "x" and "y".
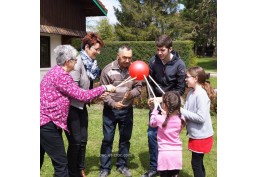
{"x": 73, "y": 59}
{"x": 97, "y": 50}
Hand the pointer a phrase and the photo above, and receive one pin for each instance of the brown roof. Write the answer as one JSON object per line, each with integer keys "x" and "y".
{"x": 94, "y": 8}
{"x": 102, "y": 5}
{"x": 61, "y": 31}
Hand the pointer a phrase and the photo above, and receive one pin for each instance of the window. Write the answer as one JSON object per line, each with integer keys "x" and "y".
{"x": 45, "y": 52}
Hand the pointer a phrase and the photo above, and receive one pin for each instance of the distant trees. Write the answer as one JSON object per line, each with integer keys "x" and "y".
{"x": 106, "y": 30}
{"x": 203, "y": 15}
{"x": 144, "y": 20}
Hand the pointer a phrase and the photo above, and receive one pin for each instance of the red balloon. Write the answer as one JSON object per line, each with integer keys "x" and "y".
{"x": 138, "y": 69}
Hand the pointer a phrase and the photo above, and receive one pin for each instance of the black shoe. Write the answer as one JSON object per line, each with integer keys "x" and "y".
{"x": 103, "y": 173}
{"x": 125, "y": 171}
{"x": 150, "y": 173}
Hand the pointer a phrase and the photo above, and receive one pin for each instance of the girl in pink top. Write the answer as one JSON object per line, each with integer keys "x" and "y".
{"x": 169, "y": 124}
{"x": 56, "y": 90}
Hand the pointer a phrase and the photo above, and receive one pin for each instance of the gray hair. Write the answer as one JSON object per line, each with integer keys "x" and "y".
{"x": 124, "y": 47}
{"x": 64, "y": 53}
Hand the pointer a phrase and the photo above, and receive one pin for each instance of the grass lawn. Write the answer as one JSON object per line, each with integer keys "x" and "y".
{"x": 139, "y": 156}
{"x": 213, "y": 82}
{"x": 209, "y": 64}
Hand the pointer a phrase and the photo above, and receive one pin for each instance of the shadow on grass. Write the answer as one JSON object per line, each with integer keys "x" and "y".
{"x": 184, "y": 174}
{"x": 145, "y": 160}
{"x": 93, "y": 162}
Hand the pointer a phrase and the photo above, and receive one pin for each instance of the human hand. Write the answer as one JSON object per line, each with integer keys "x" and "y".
{"x": 128, "y": 95}
{"x": 159, "y": 99}
{"x": 163, "y": 112}
{"x": 103, "y": 95}
{"x": 110, "y": 88}
{"x": 151, "y": 103}
{"x": 119, "y": 105}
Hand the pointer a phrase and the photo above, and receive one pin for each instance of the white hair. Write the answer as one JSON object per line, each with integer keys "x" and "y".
{"x": 64, "y": 53}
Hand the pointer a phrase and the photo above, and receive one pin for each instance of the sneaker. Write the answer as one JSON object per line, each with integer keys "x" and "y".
{"x": 125, "y": 171}
{"x": 103, "y": 173}
{"x": 150, "y": 173}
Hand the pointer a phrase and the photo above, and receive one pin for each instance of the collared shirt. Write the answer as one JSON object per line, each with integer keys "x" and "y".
{"x": 113, "y": 74}
{"x": 56, "y": 89}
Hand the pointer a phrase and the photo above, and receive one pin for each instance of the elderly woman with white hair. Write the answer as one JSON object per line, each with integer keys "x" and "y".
{"x": 57, "y": 88}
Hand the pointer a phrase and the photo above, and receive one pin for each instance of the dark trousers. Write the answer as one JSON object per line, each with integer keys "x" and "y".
{"x": 124, "y": 119}
{"x": 153, "y": 146}
{"x": 77, "y": 124}
{"x": 52, "y": 143}
{"x": 197, "y": 164}
{"x": 169, "y": 173}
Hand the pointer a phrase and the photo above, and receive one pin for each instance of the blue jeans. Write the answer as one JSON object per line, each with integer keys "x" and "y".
{"x": 124, "y": 119}
{"x": 153, "y": 147}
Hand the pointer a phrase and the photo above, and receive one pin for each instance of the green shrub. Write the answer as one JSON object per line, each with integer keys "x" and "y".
{"x": 142, "y": 50}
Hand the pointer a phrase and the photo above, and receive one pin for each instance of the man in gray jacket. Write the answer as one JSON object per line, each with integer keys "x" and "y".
{"x": 118, "y": 110}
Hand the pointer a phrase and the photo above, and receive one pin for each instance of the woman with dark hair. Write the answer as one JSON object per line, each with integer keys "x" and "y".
{"x": 85, "y": 71}
{"x": 56, "y": 90}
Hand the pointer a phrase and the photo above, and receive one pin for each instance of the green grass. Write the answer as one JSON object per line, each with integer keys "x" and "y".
{"x": 209, "y": 64}
{"x": 139, "y": 156}
{"x": 213, "y": 82}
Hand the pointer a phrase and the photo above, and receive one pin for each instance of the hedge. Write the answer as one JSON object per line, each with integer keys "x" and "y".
{"x": 142, "y": 50}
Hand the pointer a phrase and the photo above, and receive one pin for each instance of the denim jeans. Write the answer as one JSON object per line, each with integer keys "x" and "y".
{"x": 124, "y": 119}
{"x": 52, "y": 143}
{"x": 153, "y": 147}
{"x": 77, "y": 124}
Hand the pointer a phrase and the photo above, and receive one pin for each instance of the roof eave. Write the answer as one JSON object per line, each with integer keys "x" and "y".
{"x": 101, "y": 7}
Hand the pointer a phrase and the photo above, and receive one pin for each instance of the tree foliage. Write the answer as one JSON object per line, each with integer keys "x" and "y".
{"x": 144, "y": 20}
{"x": 106, "y": 30}
{"x": 203, "y": 14}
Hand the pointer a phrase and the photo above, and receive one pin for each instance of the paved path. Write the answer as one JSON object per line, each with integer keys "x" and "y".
{"x": 213, "y": 74}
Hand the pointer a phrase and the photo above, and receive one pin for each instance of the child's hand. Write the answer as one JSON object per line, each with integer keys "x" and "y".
{"x": 150, "y": 103}
{"x": 163, "y": 112}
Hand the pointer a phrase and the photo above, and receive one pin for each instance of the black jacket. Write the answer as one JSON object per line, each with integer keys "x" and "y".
{"x": 170, "y": 76}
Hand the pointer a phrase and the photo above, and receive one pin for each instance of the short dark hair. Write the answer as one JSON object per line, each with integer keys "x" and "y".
{"x": 91, "y": 39}
{"x": 164, "y": 40}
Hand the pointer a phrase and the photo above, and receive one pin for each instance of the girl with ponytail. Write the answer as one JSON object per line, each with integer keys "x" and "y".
{"x": 197, "y": 115}
{"x": 170, "y": 125}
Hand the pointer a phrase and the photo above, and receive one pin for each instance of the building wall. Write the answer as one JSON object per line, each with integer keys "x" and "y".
{"x": 63, "y": 13}
{"x": 55, "y": 40}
